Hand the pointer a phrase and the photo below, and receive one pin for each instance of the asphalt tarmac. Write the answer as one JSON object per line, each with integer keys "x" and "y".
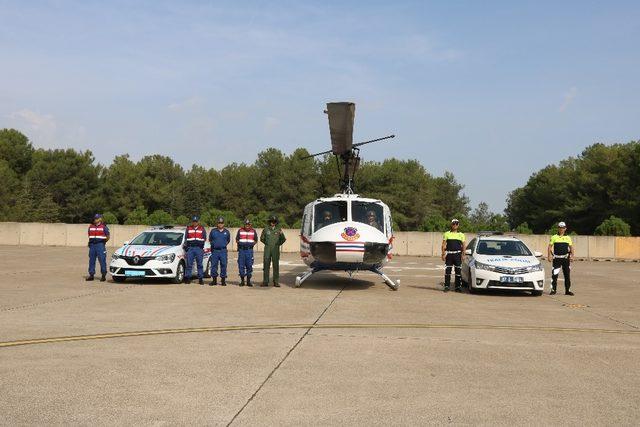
{"x": 336, "y": 351}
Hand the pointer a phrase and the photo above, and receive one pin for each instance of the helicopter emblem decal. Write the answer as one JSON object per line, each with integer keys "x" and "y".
{"x": 350, "y": 234}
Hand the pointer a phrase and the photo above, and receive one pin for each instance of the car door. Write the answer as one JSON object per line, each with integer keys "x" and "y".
{"x": 466, "y": 271}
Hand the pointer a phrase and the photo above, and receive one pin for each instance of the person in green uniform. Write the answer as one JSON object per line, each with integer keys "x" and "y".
{"x": 272, "y": 237}
{"x": 453, "y": 247}
{"x": 560, "y": 252}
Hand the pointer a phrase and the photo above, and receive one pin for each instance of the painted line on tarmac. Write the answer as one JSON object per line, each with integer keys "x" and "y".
{"x": 311, "y": 326}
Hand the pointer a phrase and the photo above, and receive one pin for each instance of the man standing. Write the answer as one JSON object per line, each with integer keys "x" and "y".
{"x": 219, "y": 239}
{"x": 194, "y": 237}
{"x": 560, "y": 252}
{"x": 246, "y": 238}
{"x": 98, "y": 237}
{"x": 272, "y": 237}
{"x": 453, "y": 247}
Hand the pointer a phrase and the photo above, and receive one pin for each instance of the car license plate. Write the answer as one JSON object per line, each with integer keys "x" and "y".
{"x": 511, "y": 279}
{"x": 134, "y": 273}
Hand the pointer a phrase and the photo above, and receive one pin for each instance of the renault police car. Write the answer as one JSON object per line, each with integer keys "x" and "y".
{"x": 156, "y": 253}
{"x": 497, "y": 261}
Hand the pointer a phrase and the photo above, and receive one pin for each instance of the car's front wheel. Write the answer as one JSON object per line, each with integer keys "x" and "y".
{"x": 207, "y": 270}
{"x": 536, "y": 293}
{"x": 179, "y": 277}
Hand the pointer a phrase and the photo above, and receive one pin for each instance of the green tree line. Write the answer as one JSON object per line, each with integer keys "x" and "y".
{"x": 65, "y": 185}
{"x": 597, "y": 192}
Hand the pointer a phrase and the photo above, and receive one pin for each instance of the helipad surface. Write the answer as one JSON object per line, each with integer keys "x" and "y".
{"x": 336, "y": 351}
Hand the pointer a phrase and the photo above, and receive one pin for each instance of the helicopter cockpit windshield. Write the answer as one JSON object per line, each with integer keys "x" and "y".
{"x": 327, "y": 213}
{"x": 368, "y": 213}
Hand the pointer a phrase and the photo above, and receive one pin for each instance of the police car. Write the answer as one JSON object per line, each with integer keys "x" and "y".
{"x": 154, "y": 254}
{"x": 496, "y": 261}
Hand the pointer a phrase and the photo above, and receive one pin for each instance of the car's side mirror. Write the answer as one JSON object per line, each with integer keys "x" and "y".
{"x": 468, "y": 252}
{"x": 537, "y": 254}
{"x": 126, "y": 242}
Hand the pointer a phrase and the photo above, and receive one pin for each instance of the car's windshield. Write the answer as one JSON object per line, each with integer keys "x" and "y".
{"x": 368, "y": 213}
{"x": 503, "y": 247}
{"x": 327, "y": 213}
{"x": 158, "y": 238}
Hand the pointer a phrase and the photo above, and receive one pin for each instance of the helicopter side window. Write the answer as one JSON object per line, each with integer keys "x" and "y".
{"x": 368, "y": 213}
{"x": 327, "y": 213}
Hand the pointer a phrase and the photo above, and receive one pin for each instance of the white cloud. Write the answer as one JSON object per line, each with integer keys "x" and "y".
{"x": 271, "y": 123}
{"x": 39, "y": 127}
{"x": 568, "y": 98}
{"x": 185, "y": 104}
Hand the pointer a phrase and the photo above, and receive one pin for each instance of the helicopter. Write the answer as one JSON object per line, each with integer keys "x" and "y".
{"x": 346, "y": 232}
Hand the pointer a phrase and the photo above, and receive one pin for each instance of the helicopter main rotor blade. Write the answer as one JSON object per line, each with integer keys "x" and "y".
{"x": 374, "y": 140}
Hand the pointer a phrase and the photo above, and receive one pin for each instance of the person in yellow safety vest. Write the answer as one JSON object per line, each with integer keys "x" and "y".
{"x": 560, "y": 252}
{"x": 453, "y": 247}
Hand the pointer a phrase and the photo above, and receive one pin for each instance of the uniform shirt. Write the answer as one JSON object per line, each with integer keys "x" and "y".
{"x": 246, "y": 238}
{"x": 219, "y": 238}
{"x": 272, "y": 237}
{"x": 98, "y": 233}
{"x": 560, "y": 244}
{"x": 454, "y": 240}
{"x": 195, "y": 236}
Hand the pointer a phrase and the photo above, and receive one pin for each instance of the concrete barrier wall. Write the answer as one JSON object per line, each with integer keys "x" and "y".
{"x": 412, "y": 243}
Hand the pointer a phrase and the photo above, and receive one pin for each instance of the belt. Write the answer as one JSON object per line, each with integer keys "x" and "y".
{"x": 453, "y": 252}
{"x": 244, "y": 248}
{"x": 561, "y": 256}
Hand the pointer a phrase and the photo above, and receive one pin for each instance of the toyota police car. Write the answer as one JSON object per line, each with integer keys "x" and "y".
{"x": 154, "y": 254}
{"x": 495, "y": 261}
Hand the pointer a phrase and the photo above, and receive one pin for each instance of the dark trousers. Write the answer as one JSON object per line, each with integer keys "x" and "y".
{"x": 97, "y": 250}
{"x": 454, "y": 260}
{"x": 563, "y": 264}
{"x": 245, "y": 262}
{"x": 218, "y": 256}
{"x": 194, "y": 253}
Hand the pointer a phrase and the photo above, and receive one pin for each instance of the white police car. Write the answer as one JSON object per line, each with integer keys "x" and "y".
{"x": 502, "y": 262}
{"x": 156, "y": 253}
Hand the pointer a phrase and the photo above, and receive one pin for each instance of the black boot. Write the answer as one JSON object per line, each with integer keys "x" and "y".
{"x": 553, "y": 291}
{"x": 103, "y": 278}
{"x": 200, "y": 281}
{"x": 223, "y": 281}
{"x": 276, "y": 284}
{"x": 249, "y": 281}
{"x": 214, "y": 282}
{"x": 241, "y": 281}
{"x": 89, "y": 278}
{"x": 568, "y": 292}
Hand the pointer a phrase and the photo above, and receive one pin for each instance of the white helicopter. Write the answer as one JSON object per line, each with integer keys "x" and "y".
{"x": 346, "y": 232}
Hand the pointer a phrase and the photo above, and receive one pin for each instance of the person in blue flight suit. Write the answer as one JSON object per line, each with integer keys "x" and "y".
{"x": 194, "y": 237}
{"x": 246, "y": 238}
{"x": 98, "y": 237}
{"x": 219, "y": 239}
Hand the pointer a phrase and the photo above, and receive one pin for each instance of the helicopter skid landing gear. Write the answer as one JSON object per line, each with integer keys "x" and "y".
{"x": 304, "y": 276}
{"x": 387, "y": 280}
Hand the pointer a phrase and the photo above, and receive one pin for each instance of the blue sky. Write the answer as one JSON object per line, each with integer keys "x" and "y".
{"x": 491, "y": 91}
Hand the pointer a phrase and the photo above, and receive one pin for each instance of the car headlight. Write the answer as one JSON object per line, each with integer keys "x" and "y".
{"x": 115, "y": 257}
{"x": 166, "y": 258}
{"x": 537, "y": 267}
{"x": 483, "y": 266}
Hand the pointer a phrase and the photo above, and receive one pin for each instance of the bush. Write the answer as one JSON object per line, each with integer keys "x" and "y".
{"x": 523, "y": 229}
{"x": 159, "y": 217}
{"x": 210, "y": 218}
{"x": 613, "y": 226}
{"x": 138, "y": 216}
{"x": 109, "y": 218}
{"x": 435, "y": 222}
{"x": 182, "y": 220}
